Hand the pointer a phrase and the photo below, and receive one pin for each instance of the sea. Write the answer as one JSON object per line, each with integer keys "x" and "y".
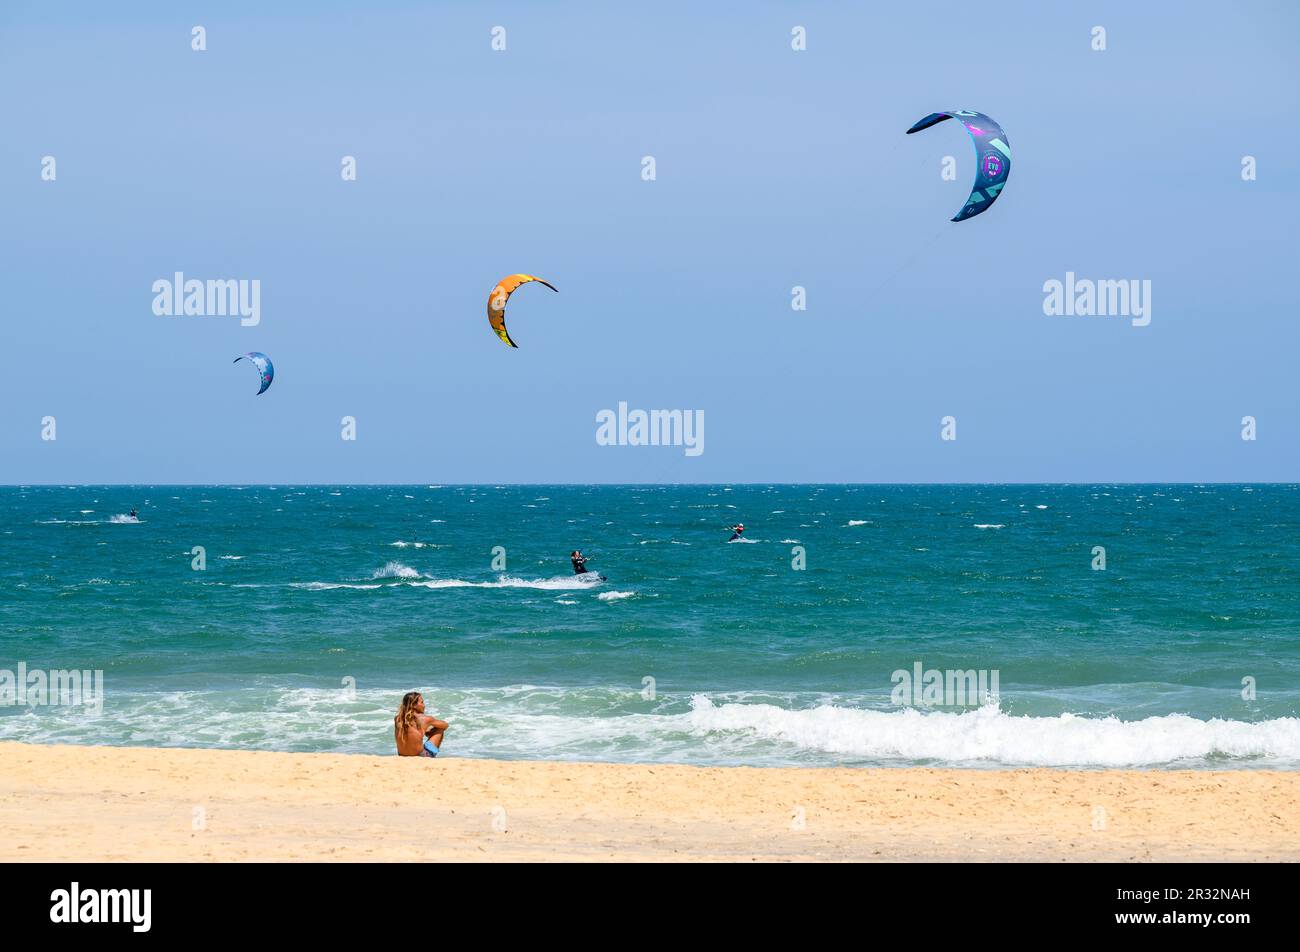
{"x": 1135, "y": 626}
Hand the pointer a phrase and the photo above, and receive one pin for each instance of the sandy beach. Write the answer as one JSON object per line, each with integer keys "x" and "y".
{"x": 121, "y": 804}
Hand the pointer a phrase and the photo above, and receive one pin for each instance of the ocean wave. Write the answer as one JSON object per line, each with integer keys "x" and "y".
{"x": 557, "y": 583}
{"x": 990, "y": 525}
{"x": 614, "y": 596}
{"x": 986, "y": 735}
{"x": 859, "y": 522}
{"x": 397, "y": 575}
{"x": 396, "y": 570}
{"x": 616, "y": 722}
{"x": 321, "y": 586}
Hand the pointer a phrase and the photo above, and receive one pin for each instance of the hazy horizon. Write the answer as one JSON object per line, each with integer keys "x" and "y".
{"x": 427, "y": 485}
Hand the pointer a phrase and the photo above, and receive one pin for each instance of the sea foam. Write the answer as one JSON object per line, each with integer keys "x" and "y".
{"x": 988, "y": 736}
{"x": 396, "y": 570}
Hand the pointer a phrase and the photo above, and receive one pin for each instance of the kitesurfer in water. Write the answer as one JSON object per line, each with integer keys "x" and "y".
{"x": 737, "y": 531}
{"x": 579, "y": 562}
{"x": 133, "y": 515}
{"x": 417, "y": 734}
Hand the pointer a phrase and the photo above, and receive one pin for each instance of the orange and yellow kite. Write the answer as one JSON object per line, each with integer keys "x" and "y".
{"x": 496, "y": 307}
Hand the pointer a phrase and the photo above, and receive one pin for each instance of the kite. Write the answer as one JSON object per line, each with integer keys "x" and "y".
{"x": 496, "y": 306}
{"x": 992, "y": 157}
{"x": 263, "y": 365}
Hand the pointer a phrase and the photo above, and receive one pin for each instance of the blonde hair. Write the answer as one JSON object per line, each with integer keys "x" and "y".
{"x": 406, "y": 710}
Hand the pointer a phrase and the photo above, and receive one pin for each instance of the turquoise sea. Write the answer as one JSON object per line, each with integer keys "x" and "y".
{"x": 318, "y": 606}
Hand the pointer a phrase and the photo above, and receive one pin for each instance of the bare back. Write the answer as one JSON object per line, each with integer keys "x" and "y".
{"x": 410, "y": 737}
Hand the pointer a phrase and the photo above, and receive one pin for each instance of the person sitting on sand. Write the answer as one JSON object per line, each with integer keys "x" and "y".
{"x": 417, "y": 734}
{"x": 579, "y": 562}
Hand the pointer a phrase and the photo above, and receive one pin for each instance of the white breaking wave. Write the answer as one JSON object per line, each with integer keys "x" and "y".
{"x": 987, "y": 735}
{"x": 396, "y": 570}
{"x": 120, "y": 519}
{"x": 613, "y": 723}
{"x": 397, "y": 575}
{"x": 558, "y": 583}
{"x": 743, "y": 539}
{"x": 614, "y": 596}
{"x": 990, "y": 525}
{"x": 859, "y": 522}
{"x": 321, "y": 586}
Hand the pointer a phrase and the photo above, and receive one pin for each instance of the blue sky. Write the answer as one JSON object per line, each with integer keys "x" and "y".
{"x": 775, "y": 168}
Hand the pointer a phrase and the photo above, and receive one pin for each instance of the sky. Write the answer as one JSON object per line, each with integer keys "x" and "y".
{"x": 775, "y": 168}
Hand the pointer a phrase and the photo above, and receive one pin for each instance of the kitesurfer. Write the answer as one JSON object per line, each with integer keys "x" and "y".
{"x": 579, "y": 562}
{"x": 737, "y": 531}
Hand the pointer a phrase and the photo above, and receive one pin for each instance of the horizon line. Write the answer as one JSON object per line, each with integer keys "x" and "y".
{"x": 268, "y": 485}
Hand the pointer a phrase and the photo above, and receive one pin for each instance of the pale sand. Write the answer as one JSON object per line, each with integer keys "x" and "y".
{"x": 106, "y": 803}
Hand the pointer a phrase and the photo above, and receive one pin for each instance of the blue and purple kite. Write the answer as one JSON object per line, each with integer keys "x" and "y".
{"x": 263, "y": 365}
{"x": 992, "y": 157}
